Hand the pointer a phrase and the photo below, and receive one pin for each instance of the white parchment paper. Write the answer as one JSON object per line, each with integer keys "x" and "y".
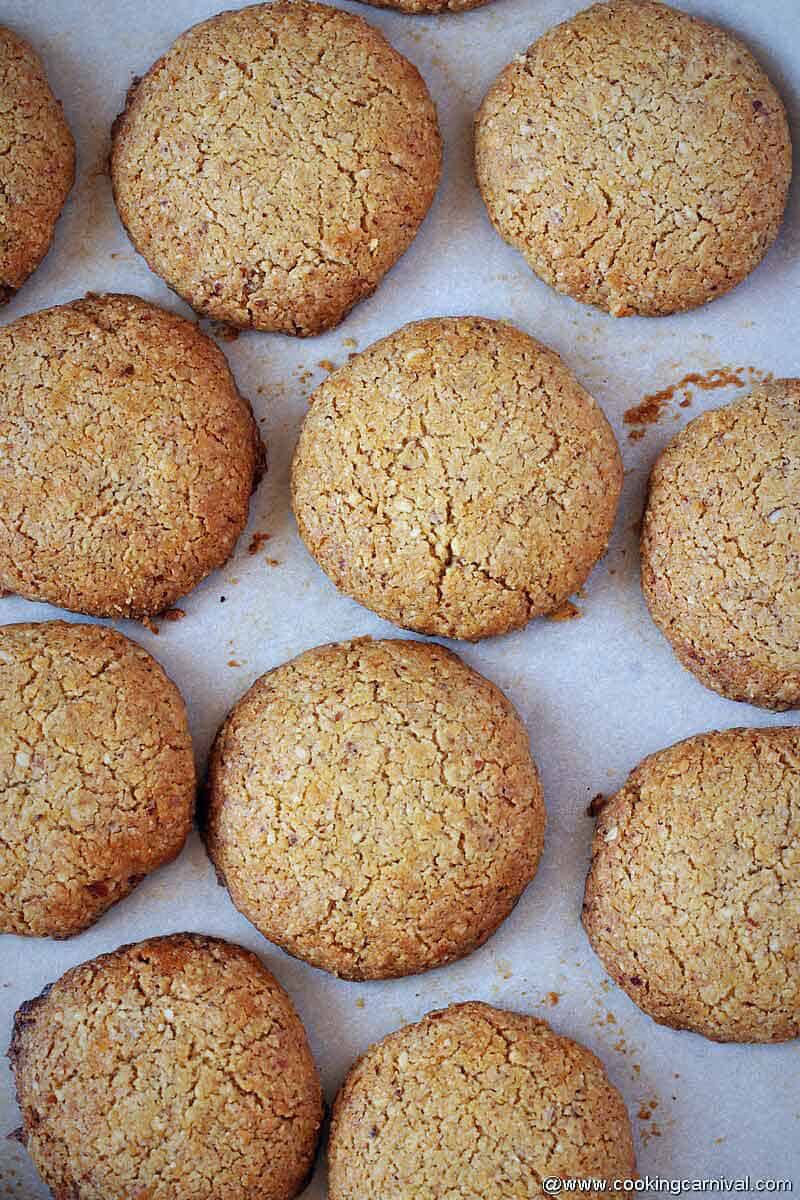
{"x": 597, "y": 693}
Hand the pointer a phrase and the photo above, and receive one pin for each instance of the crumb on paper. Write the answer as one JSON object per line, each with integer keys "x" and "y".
{"x": 504, "y": 968}
{"x": 350, "y": 343}
{"x": 597, "y": 804}
{"x": 552, "y": 998}
{"x": 360, "y": 1002}
{"x": 149, "y": 625}
{"x": 651, "y": 408}
{"x": 326, "y": 364}
{"x": 257, "y": 541}
{"x": 565, "y": 612}
{"x": 273, "y": 562}
{"x": 224, "y": 331}
{"x": 172, "y": 614}
{"x": 232, "y": 662}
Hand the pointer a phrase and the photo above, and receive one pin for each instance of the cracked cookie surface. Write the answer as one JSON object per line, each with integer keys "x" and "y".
{"x": 97, "y": 779}
{"x": 37, "y": 162}
{"x": 638, "y": 157}
{"x": 456, "y": 478}
{"x": 373, "y": 807}
{"x": 721, "y": 547}
{"x": 175, "y": 1069}
{"x": 693, "y": 897}
{"x": 127, "y": 457}
{"x": 475, "y": 1103}
{"x": 419, "y": 7}
{"x": 275, "y": 163}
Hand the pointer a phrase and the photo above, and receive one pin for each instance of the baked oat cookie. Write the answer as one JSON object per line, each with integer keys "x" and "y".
{"x": 175, "y": 1069}
{"x": 97, "y": 779}
{"x": 37, "y": 162}
{"x": 424, "y": 7}
{"x": 127, "y": 457}
{"x": 373, "y": 807}
{"x": 693, "y": 897}
{"x": 456, "y": 478}
{"x": 499, "y": 1091}
{"x": 721, "y": 544}
{"x": 275, "y": 163}
{"x": 639, "y": 158}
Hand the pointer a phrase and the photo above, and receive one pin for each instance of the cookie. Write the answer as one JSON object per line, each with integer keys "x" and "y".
{"x": 639, "y": 158}
{"x": 127, "y": 457}
{"x": 456, "y": 478}
{"x": 423, "y": 7}
{"x": 499, "y": 1091}
{"x": 275, "y": 163}
{"x": 693, "y": 897}
{"x": 97, "y": 776}
{"x": 37, "y": 162}
{"x": 373, "y": 807}
{"x": 176, "y": 1069}
{"x": 720, "y": 547}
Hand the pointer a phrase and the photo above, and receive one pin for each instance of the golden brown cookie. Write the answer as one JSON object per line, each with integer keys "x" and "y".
{"x": 373, "y": 807}
{"x": 693, "y": 897}
{"x": 97, "y": 777}
{"x": 425, "y": 7}
{"x": 721, "y": 546}
{"x": 456, "y": 478}
{"x": 173, "y": 1069}
{"x": 37, "y": 162}
{"x": 475, "y": 1101}
{"x": 275, "y": 163}
{"x": 127, "y": 457}
{"x": 639, "y": 158}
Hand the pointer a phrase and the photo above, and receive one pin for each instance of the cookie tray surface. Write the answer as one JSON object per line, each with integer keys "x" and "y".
{"x": 597, "y": 692}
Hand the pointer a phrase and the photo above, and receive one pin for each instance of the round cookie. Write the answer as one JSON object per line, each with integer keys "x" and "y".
{"x": 97, "y": 778}
{"x": 639, "y": 158}
{"x": 373, "y": 807}
{"x": 473, "y": 1084}
{"x": 456, "y": 478}
{"x": 693, "y": 897}
{"x": 37, "y": 162}
{"x": 426, "y": 7}
{"x": 174, "y": 1068}
{"x": 275, "y": 163}
{"x": 127, "y": 457}
{"x": 720, "y": 546}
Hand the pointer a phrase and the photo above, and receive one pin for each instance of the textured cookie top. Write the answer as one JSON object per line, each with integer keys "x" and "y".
{"x": 418, "y": 7}
{"x": 693, "y": 897}
{"x": 638, "y": 157}
{"x": 275, "y": 163}
{"x": 374, "y": 807}
{"x": 96, "y": 773}
{"x": 37, "y": 162}
{"x": 475, "y": 1085}
{"x": 721, "y": 545}
{"x": 127, "y": 457}
{"x": 175, "y": 1069}
{"x": 456, "y": 478}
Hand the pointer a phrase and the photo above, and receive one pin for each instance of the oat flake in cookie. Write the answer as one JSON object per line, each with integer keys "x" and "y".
{"x": 37, "y": 162}
{"x": 639, "y": 158}
{"x": 97, "y": 780}
{"x": 127, "y": 457}
{"x": 373, "y": 807}
{"x": 693, "y": 897}
{"x": 175, "y": 1069}
{"x": 721, "y": 546}
{"x": 475, "y": 1101}
{"x": 456, "y": 478}
{"x": 275, "y": 163}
